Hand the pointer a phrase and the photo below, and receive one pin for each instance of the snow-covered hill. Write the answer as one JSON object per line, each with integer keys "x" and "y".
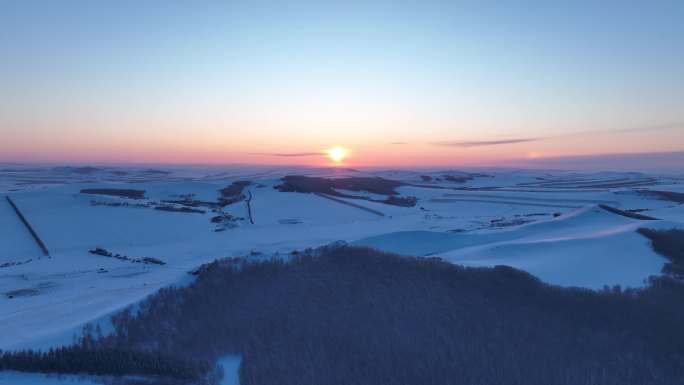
{"x": 546, "y": 222}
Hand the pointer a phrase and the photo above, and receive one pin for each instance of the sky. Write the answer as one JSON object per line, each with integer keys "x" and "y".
{"x": 395, "y": 82}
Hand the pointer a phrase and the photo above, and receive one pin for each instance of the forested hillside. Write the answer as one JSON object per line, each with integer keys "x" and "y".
{"x": 359, "y": 316}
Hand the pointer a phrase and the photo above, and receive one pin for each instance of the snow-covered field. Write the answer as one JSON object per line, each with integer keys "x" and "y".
{"x": 17, "y": 378}
{"x": 544, "y": 222}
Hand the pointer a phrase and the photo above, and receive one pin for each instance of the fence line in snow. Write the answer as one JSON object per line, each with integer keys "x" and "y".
{"x": 376, "y": 212}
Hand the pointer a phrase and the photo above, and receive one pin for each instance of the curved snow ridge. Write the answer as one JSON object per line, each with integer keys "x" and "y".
{"x": 540, "y": 240}
{"x": 585, "y": 222}
{"x": 620, "y": 258}
{"x": 590, "y": 235}
{"x": 587, "y": 215}
{"x": 588, "y": 247}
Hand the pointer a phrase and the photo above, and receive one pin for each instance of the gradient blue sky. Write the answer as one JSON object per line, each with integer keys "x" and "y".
{"x": 397, "y": 82}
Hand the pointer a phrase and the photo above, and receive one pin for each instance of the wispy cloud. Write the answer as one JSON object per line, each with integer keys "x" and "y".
{"x": 659, "y": 127}
{"x": 398, "y": 143}
{"x": 666, "y": 126}
{"x": 480, "y": 143}
{"x": 296, "y": 154}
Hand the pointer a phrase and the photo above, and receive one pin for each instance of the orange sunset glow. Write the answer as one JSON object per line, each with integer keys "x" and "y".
{"x": 367, "y": 192}
{"x": 398, "y": 86}
{"x": 337, "y": 154}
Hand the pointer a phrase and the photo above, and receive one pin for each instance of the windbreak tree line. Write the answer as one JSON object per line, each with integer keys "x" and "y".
{"x": 328, "y": 186}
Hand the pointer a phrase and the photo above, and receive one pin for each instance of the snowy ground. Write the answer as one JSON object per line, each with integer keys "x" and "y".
{"x": 230, "y": 365}
{"x": 18, "y": 378}
{"x": 545, "y": 222}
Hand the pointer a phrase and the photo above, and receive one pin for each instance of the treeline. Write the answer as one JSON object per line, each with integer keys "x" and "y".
{"x": 234, "y": 189}
{"x": 105, "y": 253}
{"x": 233, "y": 193}
{"x": 179, "y": 209}
{"x": 457, "y": 179}
{"x": 28, "y": 226}
{"x": 359, "y": 316}
{"x": 670, "y": 244}
{"x": 117, "y": 192}
{"x": 227, "y": 196}
{"x": 628, "y": 214}
{"x": 78, "y": 359}
{"x": 663, "y": 195}
{"x": 374, "y": 185}
{"x": 306, "y": 184}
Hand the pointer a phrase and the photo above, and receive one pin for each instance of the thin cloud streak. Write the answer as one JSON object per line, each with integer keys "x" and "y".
{"x": 297, "y": 154}
{"x": 660, "y": 127}
{"x": 480, "y": 143}
{"x": 666, "y": 126}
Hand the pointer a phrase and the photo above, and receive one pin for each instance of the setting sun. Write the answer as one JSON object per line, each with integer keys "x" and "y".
{"x": 337, "y": 154}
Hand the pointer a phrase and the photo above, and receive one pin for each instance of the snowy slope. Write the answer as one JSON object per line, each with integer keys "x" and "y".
{"x": 588, "y": 247}
{"x": 495, "y": 217}
{"x": 18, "y": 378}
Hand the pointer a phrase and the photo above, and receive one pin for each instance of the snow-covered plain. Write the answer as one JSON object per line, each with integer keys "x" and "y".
{"x": 544, "y": 222}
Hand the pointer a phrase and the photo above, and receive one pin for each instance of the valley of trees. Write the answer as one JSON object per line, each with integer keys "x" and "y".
{"x": 359, "y": 316}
